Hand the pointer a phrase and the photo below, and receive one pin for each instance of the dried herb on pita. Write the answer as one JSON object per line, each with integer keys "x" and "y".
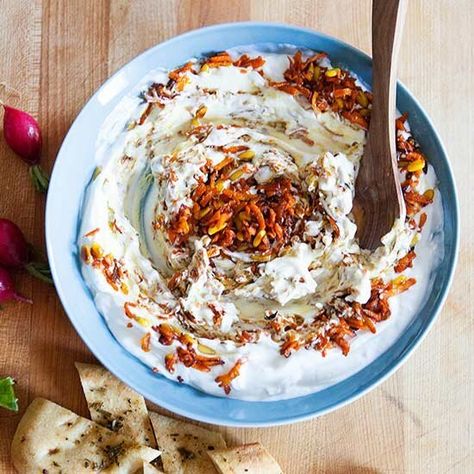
{"x": 185, "y": 446}
{"x": 52, "y": 439}
{"x": 115, "y": 405}
{"x": 246, "y": 459}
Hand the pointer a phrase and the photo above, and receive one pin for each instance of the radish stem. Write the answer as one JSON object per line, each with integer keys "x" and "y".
{"x": 40, "y": 178}
{"x": 40, "y": 270}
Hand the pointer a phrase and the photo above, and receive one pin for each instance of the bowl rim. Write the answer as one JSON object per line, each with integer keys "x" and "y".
{"x": 282, "y": 420}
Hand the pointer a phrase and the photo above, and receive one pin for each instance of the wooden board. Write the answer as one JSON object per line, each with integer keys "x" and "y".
{"x": 56, "y": 53}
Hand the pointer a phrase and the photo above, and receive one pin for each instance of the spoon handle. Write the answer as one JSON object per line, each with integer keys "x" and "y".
{"x": 388, "y": 17}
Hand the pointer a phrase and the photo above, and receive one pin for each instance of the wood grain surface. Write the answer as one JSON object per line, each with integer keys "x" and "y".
{"x": 56, "y": 53}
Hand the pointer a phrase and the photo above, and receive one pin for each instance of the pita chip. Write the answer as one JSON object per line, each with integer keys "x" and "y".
{"x": 150, "y": 469}
{"x": 52, "y": 439}
{"x": 114, "y": 405}
{"x": 185, "y": 446}
{"x": 249, "y": 458}
{"x": 132, "y": 460}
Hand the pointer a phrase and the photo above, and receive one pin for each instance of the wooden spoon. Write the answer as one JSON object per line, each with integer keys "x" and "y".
{"x": 378, "y": 197}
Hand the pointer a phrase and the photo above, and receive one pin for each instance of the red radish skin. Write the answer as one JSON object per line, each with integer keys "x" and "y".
{"x": 15, "y": 252}
{"x": 7, "y": 289}
{"x": 23, "y": 135}
{"x": 13, "y": 246}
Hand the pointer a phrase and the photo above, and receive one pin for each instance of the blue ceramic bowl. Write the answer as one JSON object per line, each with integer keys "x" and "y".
{"x": 72, "y": 172}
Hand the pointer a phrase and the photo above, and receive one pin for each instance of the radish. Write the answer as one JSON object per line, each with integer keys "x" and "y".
{"x": 13, "y": 247}
{"x": 15, "y": 251}
{"x": 7, "y": 289}
{"x": 23, "y": 136}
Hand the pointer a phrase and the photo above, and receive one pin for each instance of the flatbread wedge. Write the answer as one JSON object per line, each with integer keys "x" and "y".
{"x": 249, "y": 458}
{"x": 115, "y": 405}
{"x": 185, "y": 446}
{"x": 150, "y": 469}
{"x": 131, "y": 460}
{"x": 52, "y": 439}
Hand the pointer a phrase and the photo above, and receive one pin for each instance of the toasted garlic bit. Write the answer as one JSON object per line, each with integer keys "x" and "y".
{"x": 96, "y": 250}
{"x": 429, "y": 194}
{"x": 333, "y": 72}
{"x": 201, "y": 111}
{"x": 145, "y": 342}
{"x": 205, "y": 349}
{"x": 86, "y": 254}
{"x": 246, "y": 155}
{"x": 417, "y": 165}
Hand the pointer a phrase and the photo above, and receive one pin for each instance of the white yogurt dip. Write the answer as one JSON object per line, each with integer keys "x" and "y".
{"x": 217, "y": 236}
